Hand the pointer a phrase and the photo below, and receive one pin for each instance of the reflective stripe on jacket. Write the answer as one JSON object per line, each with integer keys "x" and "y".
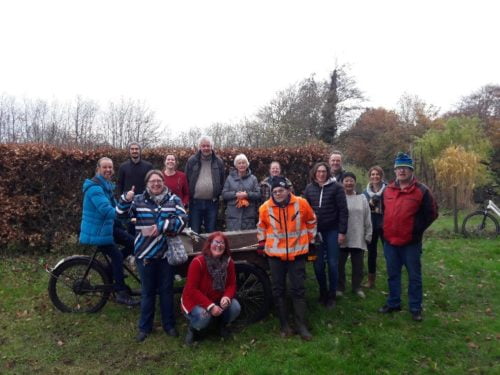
{"x": 287, "y": 230}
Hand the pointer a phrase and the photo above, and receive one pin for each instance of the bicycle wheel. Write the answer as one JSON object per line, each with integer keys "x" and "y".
{"x": 70, "y": 292}
{"x": 480, "y": 224}
{"x": 254, "y": 293}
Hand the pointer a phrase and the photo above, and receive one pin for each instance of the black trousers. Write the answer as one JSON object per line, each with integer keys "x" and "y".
{"x": 296, "y": 271}
{"x": 357, "y": 268}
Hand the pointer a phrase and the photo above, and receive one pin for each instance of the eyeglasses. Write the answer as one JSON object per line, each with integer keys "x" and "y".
{"x": 219, "y": 244}
{"x": 152, "y": 182}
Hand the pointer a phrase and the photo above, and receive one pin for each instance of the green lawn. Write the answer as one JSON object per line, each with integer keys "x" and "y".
{"x": 459, "y": 335}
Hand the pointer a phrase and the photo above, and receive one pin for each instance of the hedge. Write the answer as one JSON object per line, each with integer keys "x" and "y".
{"x": 40, "y": 185}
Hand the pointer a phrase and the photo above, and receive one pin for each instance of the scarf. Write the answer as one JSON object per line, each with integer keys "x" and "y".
{"x": 371, "y": 193}
{"x": 217, "y": 268}
{"x": 157, "y": 198}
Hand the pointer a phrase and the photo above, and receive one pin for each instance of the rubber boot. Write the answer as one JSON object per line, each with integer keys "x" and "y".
{"x": 285, "y": 330}
{"x": 224, "y": 330}
{"x": 299, "y": 306}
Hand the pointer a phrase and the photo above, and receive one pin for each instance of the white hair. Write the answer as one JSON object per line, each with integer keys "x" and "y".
{"x": 241, "y": 157}
{"x": 206, "y": 138}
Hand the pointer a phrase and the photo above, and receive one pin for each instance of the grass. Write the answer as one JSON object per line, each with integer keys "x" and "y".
{"x": 459, "y": 335}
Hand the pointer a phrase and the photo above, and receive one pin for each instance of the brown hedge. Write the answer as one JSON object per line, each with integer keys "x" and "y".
{"x": 40, "y": 186}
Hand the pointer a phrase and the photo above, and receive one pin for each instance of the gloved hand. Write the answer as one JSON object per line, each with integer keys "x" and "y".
{"x": 261, "y": 247}
{"x": 242, "y": 202}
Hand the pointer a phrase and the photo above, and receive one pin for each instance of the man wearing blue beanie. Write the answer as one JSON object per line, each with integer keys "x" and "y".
{"x": 409, "y": 209}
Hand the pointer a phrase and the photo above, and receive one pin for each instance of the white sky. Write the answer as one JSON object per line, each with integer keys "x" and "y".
{"x": 198, "y": 62}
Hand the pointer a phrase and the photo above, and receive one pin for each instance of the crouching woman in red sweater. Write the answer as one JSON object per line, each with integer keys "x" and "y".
{"x": 210, "y": 288}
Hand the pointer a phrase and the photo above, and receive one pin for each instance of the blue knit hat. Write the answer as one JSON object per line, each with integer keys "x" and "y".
{"x": 403, "y": 160}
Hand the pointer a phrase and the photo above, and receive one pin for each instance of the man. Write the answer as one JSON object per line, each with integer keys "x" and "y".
{"x": 409, "y": 209}
{"x": 205, "y": 174}
{"x": 335, "y": 162}
{"x": 265, "y": 185}
{"x": 132, "y": 172}
{"x": 99, "y": 226}
{"x": 286, "y": 228}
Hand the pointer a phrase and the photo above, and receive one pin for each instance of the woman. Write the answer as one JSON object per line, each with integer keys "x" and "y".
{"x": 158, "y": 214}
{"x": 359, "y": 232}
{"x": 242, "y": 195}
{"x": 99, "y": 226}
{"x": 176, "y": 180}
{"x": 373, "y": 194}
{"x": 265, "y": 185}
{"x": 327, "y": 198}
{"x": 210, "y": 288}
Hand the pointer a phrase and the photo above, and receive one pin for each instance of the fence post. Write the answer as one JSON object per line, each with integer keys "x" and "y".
{"x": 455, "y": 208}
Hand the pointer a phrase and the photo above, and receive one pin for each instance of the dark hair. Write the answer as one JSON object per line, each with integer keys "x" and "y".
{"x": 349, "y": 174}
{"x": 152, "y": 172}
{"x": 312, "y": 173}
{"x": 378, "y": 169}
{"x": 208, "y": 242}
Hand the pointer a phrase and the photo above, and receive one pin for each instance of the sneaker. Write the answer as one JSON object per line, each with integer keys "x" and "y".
{"x": 141, "y": 336}
{"x": 417, "y": 316}
{"x": 360, "y": 294}
{"x": 387, "y": 309}
{"x": 172, "y": 332}
{"x": 124, "y": 298}
{"x": 339, "y": 293}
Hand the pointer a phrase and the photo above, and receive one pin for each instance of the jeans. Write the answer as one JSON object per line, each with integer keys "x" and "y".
{"x": 356, "y": 267}
{"x": 200, "y": 318}
{"x": 157, "y": 276}
{"x": 329, "y": 251}
{"x": 203, "y": 211}
{"x": 123, "y": 238}
{"x": 409, "y": 256}
{"x": 296, "y": 271}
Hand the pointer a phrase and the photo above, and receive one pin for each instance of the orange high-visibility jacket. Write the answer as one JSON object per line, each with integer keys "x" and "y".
{"x": 288, "y": 230}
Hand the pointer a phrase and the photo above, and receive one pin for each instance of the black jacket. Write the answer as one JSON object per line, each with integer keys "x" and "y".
{"x": 133, "y": 174}
{"x": 329, "y": 204}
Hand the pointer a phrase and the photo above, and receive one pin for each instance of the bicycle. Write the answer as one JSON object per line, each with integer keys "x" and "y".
{"x": 482, "y": 223}
{"x": 81, "y": 283}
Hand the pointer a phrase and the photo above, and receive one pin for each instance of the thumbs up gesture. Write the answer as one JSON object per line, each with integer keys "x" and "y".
{"x": 130, "y": 194}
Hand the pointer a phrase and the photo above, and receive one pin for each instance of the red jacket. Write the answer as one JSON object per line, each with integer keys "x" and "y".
{"x": 408, "y": 212}
{"x": 198, "y": 289}
{"x": 178, "y": 184}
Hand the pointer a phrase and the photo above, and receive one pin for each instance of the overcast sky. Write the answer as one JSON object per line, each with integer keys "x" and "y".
{"x": 199, "y": 62}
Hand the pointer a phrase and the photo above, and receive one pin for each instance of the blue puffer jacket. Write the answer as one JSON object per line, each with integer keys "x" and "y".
{"x": 98, "y": 212}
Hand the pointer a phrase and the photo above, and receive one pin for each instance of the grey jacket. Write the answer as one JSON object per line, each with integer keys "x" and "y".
{"x": 245, "y": 217}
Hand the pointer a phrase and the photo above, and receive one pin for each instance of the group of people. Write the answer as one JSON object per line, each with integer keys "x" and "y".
{"x": 331, "y": 220}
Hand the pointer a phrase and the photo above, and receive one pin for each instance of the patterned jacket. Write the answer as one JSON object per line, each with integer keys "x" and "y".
{"x": 169, "y": 217}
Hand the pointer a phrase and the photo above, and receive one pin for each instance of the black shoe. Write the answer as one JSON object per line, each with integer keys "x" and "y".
{"x": 124, "y": 298}
{"x": 225, "y": 332}
{"x": 330, "y": 303}
{"x": 141, "y": 336}
{"x": 417, "y": 316}
{"x": 172, "y": 332}
{"x": 190, "y": 337}
{"x": 388, "y": 309}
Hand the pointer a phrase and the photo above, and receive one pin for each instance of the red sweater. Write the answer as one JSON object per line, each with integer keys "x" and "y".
{"x": 198, "y": 289}
{"x": 178, "y": 184}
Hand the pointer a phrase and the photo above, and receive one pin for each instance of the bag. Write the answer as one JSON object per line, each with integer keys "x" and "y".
{"x": 176, "y": 253}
